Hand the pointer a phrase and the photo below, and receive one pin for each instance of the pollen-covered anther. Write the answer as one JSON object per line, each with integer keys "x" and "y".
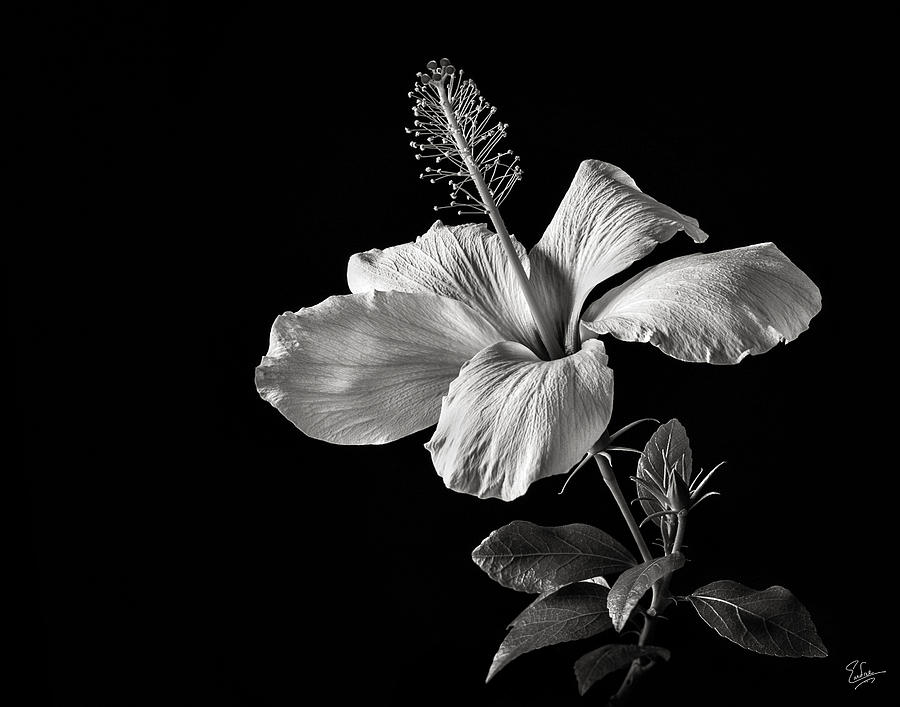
{"x": 440, "y": 72}
{"x": 464, "y": 143}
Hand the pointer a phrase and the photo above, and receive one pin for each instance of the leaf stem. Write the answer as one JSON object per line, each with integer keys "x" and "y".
{"x": 544, "y": 329}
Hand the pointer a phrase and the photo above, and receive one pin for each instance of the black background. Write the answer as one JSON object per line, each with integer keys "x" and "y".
{"x": 189, "y": 176}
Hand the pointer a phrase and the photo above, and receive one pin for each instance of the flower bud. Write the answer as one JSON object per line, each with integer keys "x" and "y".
{"x": 679, "y": 493}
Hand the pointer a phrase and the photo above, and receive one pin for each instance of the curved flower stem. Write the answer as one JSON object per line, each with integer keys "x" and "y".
{"x": 637, "y": 669}
{"x": 610, "y": 478}
{"x": 544, "y": 330}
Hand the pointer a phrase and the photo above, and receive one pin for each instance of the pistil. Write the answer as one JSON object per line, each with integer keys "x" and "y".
{"x": 487, "y": 198}
{"x": 444, "y": 136}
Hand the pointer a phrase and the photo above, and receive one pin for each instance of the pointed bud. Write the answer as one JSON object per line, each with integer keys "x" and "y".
{"x": 679, "y": 493}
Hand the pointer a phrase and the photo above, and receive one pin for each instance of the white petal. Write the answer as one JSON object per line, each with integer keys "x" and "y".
{"x": 369, "y": 368}
{"x": 716, "y": 307}
{"x": 466, "y": 263}
{"x": 602, "y": 226}
{"x": 510, "y": 418}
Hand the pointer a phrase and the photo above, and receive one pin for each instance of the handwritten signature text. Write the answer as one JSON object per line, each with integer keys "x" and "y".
{"x": 859, "y": 675}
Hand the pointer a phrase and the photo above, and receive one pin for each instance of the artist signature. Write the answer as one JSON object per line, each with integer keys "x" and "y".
{"x": 859, "y": 675}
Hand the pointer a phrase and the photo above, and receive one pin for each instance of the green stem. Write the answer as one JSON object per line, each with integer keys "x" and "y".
{"x": 544, "y": 329}
{"x": 637, "y": 669}
{"x": 679, "y": 534}
{"x": 662, "y": 586}
{"x": 610, "y": 478}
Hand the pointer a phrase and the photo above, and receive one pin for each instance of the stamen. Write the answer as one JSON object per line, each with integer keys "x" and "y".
{"x": 455, "y": 121}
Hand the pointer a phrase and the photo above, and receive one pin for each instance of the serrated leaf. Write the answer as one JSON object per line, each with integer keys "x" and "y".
{"x": 632, "y": 584}
{"x": 599, "y": 663}
{"x": 771, "y": 621}
{"x": 576, "y": 611}
{"x": 537, "y": 559}
{"x": 667, "y": 451}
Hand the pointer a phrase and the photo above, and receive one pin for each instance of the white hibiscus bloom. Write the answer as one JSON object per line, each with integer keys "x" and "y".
{"x": 438, "y": 331}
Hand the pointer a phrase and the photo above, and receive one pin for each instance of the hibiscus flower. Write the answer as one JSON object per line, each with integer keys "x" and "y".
{"x": 438, "y": 331}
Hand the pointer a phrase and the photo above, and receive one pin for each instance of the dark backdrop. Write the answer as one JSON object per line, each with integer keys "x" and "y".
{"x": 189, "y": 177}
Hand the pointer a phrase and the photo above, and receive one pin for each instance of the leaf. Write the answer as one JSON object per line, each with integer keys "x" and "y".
{"x": 668, "y": 451}
{"x": 599, "y": 663}
{"x": 633, "y": 584}
{"x": 576, "y": 611}
{"x": 532, "y": 558}
{"x": 593, "y": 580}
{"x": 771, "y": 621}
